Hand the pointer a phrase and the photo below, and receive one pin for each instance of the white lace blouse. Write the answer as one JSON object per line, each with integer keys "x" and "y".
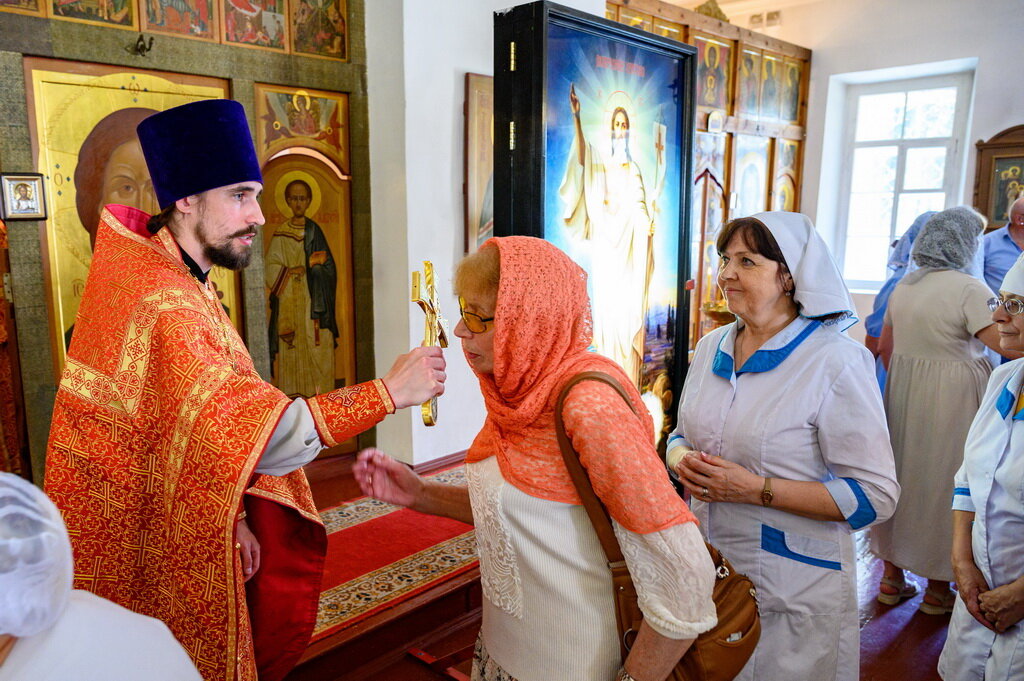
{"x": 548, "y": 608}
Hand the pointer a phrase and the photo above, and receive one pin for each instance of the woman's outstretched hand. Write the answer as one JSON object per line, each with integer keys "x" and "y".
{"x": 382, "y": 477}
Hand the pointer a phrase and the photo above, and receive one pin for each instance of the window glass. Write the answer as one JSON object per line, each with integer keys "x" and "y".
{"x": 880, "y": 117}
{"x": 930, "y": 113}
{"x": 900, "y": 159}
{"x": 925, "y": 168}
{"x": 912, "y": 205}
{"x": 874, "y": 169}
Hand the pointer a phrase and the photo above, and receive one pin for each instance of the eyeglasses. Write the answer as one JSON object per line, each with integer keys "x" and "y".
{"x": 1013, "y": 306}
{"x": 474, "y": 322}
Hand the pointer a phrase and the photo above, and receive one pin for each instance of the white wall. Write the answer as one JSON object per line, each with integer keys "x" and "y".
{"x": 417, "y": 56}
{"x": 874, "y": 34}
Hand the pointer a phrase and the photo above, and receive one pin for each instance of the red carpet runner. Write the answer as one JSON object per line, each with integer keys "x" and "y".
{"x": 379, "y": 555}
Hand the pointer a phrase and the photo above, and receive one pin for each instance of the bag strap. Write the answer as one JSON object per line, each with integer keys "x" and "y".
{"x": 599, "y": 516}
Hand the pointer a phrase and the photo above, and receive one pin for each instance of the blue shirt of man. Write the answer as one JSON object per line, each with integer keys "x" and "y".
{"x": 1002, "y": 246}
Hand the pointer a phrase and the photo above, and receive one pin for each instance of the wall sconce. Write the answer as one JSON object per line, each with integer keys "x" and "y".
{"x": 140, "y": 47}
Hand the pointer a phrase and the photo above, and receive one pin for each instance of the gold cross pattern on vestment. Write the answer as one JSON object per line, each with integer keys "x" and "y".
{"x": 434, "y": 331}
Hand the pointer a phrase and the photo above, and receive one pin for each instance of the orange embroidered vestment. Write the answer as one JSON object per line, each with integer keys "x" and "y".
{"x": 159, "y": 422}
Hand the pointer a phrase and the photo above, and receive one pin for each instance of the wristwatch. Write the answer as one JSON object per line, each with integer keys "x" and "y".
{"x": 623, "y": 675}
{"x": 766, "y": 493}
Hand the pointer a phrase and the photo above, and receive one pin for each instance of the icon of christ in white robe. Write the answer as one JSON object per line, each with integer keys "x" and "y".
{"x": 607, "y": 205}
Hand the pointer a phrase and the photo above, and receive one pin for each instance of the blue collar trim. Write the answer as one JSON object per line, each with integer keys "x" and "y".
{"x": 722, "y": 366}
{"x": 1006, "y": 402}
{"x": 762, "y": 360}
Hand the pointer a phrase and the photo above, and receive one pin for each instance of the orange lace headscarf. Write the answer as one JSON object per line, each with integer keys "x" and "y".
{"x": 541, "y": 337}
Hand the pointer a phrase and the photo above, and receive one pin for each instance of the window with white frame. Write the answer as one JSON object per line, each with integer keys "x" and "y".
{"x": 902, "y": 156}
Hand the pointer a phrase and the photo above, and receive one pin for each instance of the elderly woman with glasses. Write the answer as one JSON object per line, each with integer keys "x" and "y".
{"x": 548, "y": 611}
{"x": 933, "y": 343}
{"x": 986, "y": 633}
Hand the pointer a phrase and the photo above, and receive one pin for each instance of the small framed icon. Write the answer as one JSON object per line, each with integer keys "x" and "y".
{"x": 23, "y": 197}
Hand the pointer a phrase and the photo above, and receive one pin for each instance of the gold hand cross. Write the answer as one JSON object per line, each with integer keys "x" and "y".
{"x": 434, "y": 331}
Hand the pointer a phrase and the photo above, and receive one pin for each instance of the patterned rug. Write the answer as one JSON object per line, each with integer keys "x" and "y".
{"x": 379, "y": 555}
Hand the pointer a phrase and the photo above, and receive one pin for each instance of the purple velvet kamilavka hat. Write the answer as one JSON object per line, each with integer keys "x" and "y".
{"x": 196, "y": 147}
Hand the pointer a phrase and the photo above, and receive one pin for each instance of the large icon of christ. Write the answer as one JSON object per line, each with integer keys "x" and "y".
{"x": 608, "y": 205}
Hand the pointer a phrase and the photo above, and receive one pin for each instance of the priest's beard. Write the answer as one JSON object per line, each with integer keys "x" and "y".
{"x": 226, "y": 253}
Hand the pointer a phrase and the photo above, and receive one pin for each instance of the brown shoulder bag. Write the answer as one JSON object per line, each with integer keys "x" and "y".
{"x": 716, "y": 655}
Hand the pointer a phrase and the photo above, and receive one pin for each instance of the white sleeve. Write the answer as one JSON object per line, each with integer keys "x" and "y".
{"x": 962, "y": 500}
{"x": 674, "y": 579}
{"x": 854, "y": 441}
{"x": 676, "y": 448}
{"x": 293, "y": 444}
{"x": 678, "y": 444}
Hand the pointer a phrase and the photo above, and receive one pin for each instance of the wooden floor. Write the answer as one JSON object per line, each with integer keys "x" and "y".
{"x": 898, "y": 643}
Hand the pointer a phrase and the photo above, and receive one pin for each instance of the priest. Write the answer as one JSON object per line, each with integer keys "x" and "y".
{"x": 177, "y": 468}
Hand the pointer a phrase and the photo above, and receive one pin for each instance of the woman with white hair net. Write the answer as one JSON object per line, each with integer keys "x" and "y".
{"x": 933, "y": 342}
{"x": 49, "y": 632}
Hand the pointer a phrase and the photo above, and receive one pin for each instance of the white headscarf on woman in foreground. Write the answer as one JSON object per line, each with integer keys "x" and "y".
{"x": 35, "y": 559}
{"x": 819, "y": 286}
{"x": 49, "y": 632}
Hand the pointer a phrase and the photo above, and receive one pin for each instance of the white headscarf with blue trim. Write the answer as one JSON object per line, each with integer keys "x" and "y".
{"x": 819, "y": 285}
{"x": 1013, "y": 282}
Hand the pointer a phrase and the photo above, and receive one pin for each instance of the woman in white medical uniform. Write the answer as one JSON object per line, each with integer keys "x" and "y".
{"x": 986, "y": 632}
{"x": 782, "y": 443}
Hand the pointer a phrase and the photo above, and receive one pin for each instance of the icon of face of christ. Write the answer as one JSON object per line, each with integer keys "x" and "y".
{"x": 112, "y": 169}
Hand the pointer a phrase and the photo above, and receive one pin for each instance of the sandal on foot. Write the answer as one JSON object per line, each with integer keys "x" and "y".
{"x": 903, "y": 591}
{"x": 942, "y": 605}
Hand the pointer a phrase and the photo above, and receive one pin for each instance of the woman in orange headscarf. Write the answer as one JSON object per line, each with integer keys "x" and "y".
{"x": 548, "y": 610}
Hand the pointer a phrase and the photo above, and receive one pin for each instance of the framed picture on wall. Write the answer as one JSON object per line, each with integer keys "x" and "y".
{"x": 750, "y": 175}
{"x": 714, "y": 71}
{"x": 791, "y": 88}
{"x": 479, "y": 165}
{"x": 23, "y": 197}
{"x": 288, "y": 117}
{"x": 999, "y": 174}
{"x": 35, "y": 8}
{"x": 196, "y": 19}
{"x": 771, "y": 85}
{"x": 116, "y": 13}
{"x": 748, "y": 83}
{"x": 1007, "y": 184}
{"x": 786, "y": 175}
{"x": 600, "y": 166}
{"x": 308, "y": 274}
{"x": 262, "y": 25}
{"x": 319, "y": 28}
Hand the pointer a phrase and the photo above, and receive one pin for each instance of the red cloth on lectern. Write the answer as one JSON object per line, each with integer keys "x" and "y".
{"x": 159, "y": 422}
